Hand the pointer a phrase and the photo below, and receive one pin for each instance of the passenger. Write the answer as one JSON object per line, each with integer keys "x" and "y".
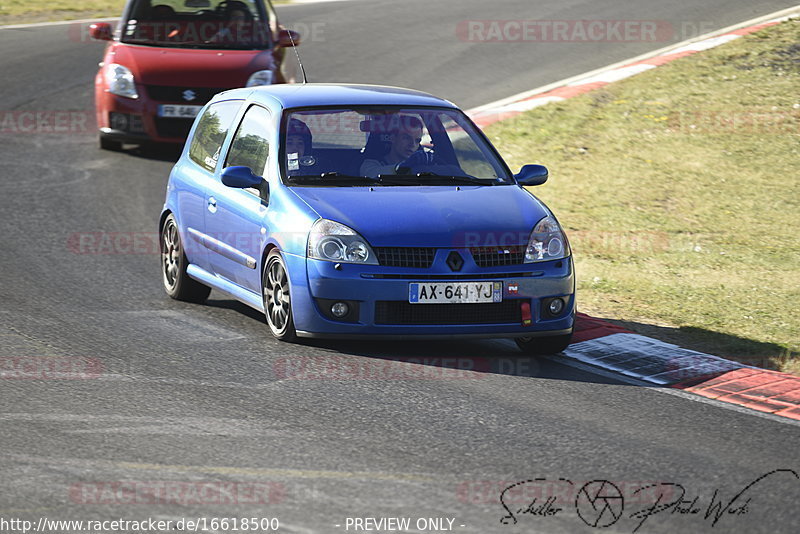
{"x": 162, "y": 13}
{"x": 299, "y": 148}
{"x": 403, "y": 150}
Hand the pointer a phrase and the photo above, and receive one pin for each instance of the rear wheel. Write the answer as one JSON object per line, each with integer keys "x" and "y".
{"x": 277, "y": 299}
{"x": 543, "y": 346}
{"x": 177, "y": 283}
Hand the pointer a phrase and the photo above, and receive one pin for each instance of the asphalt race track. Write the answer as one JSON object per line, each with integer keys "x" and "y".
{"x": 155, "y": 392}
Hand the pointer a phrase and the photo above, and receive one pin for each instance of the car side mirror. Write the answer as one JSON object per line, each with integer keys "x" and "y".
{"x": 243, "y": 178}
{"x": 285, "y": 38}
{"x": 240, "y": 177}
{"x": 532, "y": 175}
{"x": 100, "y": 31}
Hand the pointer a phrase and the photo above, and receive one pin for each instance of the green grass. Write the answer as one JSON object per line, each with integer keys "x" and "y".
{"x": 24, "y": 11}
{"x": 679, "y": 189}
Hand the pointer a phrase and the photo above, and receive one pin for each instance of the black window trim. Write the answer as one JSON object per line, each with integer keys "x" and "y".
{"x": 200, "y": 165}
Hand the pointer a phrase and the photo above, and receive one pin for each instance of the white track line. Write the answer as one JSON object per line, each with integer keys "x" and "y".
{"x": 575, "y": 364}
{"x": 684, "y": 45}
{"x": 57, "y": 23}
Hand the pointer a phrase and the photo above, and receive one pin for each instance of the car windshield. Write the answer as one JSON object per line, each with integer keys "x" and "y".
{"x": 218, "y": 24}
{"x": 389, "y": 146}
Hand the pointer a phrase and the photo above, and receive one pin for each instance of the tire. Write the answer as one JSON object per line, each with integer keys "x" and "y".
{"x": 543, "y": 346}
{"x": 176, "y": 282}
{"x": 277, "y": 298}
{"x": 110, "y": 144}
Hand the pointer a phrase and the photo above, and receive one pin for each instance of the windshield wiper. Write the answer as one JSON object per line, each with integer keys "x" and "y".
{"x": 333, "y": 178}
{"x": 399, "y": 179}
{"x": 458, "y": 179}
{"x": 430, "y": 178}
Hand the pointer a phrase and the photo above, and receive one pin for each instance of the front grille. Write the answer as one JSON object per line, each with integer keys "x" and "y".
{"x": 404, "y": 313}
{"x": 498, "y": 256}
{"x": 173, "y": 127}
{"x": 417, "y": 257}
{"x": 168, "y": 93}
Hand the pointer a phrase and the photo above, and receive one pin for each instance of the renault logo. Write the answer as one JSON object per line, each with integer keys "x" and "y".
{"x": 189, "y": 95}
{"x": 455, "y": 261}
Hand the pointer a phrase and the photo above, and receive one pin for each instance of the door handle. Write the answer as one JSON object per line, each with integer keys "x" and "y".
{"x": 212, "y": 204}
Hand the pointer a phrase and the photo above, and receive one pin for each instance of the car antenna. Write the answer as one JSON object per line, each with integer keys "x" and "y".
{"x": 294, "y": 47}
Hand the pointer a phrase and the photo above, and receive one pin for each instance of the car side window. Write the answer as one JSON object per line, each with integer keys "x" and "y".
{"x": 250, "y": 146}
{"x": 211, "y": 132}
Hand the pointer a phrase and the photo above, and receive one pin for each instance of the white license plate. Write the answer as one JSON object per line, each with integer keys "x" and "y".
{"x": 454, "y": 292}
{"x": 181, "y": 112}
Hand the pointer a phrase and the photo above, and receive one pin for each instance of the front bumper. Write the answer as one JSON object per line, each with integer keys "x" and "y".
{"x": 137, "y": 120}
{"x": 381, "y": 295}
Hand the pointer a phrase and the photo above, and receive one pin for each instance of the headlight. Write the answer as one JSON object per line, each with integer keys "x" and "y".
{"x": 120, "y": 81}
{"x": 547, "y": 242}
{"x": 332, "y": 241}
{"x": 261, "y": 77}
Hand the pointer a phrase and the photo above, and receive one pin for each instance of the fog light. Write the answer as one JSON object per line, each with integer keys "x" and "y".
{"x": 119, "y": 121}
{"x": 340, "y": 309}
{"x": 555, "y": 307}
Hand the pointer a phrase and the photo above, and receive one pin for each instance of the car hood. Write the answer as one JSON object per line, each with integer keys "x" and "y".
{"x": 442, "y": 216}
{"x": 190, "y": 66}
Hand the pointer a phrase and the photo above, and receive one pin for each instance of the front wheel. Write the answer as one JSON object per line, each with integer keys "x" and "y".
{"x": 277, "y": 299}
{"x": 176, "y": 281}
{"x": 543, "y": 346}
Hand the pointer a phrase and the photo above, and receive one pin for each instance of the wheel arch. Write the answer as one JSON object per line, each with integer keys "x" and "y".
{"x": 267, "y": 249}
{"x": 166, "y": 213}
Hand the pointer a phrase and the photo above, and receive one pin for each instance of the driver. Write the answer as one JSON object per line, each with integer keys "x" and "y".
{"x": 237, "y": 23}
{"x": 404, "y": 150}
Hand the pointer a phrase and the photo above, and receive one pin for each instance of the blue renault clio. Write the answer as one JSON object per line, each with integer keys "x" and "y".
{"x": 364, "y": 211}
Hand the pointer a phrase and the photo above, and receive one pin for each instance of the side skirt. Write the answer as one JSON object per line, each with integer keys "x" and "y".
{"x": 241, "y": 294}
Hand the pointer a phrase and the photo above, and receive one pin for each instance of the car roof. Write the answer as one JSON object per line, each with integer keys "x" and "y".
{"x": 330, "y": 94}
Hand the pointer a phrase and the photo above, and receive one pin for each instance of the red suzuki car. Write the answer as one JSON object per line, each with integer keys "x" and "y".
{"x": 167, "y": 58}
